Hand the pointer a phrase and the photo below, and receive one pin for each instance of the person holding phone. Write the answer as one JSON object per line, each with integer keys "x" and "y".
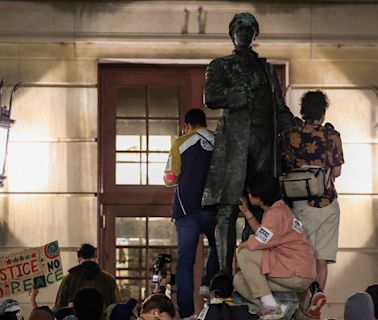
{"x": 277, "y": 257}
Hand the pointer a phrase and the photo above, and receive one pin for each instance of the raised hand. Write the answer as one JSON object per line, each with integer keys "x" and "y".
{"x": 243, "y": 207}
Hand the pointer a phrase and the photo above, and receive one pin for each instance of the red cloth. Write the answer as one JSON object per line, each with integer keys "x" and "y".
{"x": 286, "y": 251}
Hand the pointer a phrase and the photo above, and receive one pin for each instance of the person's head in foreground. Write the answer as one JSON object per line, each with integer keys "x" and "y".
{"x": 373, "y": 291}
{"x": 221, "y": 286}
{"x": 122, "y": 311}
{"x": 157, "y": 307}
{"x": 10, "y": 310}
{"x": 359, "y": 306}
{"x": 88, "y": 304}
{"x": 41, "y": 314}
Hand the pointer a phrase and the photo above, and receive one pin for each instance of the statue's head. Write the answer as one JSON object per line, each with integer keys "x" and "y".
{"x": 243, "y": 20}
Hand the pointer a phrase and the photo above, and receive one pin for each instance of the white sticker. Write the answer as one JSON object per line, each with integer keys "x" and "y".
{"x": 263, "y": 234}
{"x": 297, "y": 225}
{"x": 206, "y": 145}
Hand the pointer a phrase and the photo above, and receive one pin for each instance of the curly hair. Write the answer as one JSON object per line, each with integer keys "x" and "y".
{"x": 314, "y": 105}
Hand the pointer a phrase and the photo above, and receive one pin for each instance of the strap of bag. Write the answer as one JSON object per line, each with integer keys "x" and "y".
{"x": 308, "y": 188}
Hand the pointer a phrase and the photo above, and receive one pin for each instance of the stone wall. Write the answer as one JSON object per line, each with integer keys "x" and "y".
{"x": 54, "y": 48}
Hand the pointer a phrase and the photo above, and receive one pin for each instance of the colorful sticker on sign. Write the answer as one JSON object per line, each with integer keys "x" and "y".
{"x": 39, "y": 267}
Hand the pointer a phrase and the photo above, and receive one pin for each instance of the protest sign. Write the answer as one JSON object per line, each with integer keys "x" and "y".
{"x": 39, "y": 266}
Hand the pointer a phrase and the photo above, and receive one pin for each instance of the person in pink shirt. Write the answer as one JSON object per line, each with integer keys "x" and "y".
{"x": 277, "y": 257}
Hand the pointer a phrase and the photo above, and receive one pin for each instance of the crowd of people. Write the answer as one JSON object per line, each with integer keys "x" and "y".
{"x": 89, "y": 304}
{"x": 90, "y": 293}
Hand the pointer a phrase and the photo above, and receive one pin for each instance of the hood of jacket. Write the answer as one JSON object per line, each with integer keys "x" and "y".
{"x": 86, "y": 270}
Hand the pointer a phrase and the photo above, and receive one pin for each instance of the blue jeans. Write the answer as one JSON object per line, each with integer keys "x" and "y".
{"x": 188, "y": 230}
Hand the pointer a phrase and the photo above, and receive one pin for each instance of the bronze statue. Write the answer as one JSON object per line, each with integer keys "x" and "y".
{"x": 254, "y": 113}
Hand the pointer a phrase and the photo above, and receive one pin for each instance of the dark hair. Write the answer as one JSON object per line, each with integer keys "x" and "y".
{"x": 41, "y": 314}
{"x": 88, "y": 304}
{"x": 45, "y": 308}
{"x": 314, "y": 105}
{"x": 8, "y": 316}
{"x": 264, "y": 186}
{"x": 86, "y": 251}
{"x": 63, "y": 312}
{"x": 373, "y": 291}
{"x": 123, "y": 311}
{"x": 158, "y": 301}
{"x": 221, "y": 285}
{"x": 195, "y": 117}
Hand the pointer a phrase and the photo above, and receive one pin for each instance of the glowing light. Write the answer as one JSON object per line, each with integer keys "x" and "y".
{"x": 131, "y": 168}
{"x": 28, "y": 166}
{"x": 357, "y": 173}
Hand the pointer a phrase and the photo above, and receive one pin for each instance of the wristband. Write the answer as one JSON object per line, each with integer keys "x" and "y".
{"x": 250, "y": 218}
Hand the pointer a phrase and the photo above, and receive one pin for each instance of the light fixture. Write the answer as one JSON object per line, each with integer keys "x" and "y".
{"x": 5, "y": 123}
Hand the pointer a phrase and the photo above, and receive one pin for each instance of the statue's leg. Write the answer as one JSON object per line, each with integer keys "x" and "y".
{"x": 247, "y": 230}
{"x": 225, "y": 236}
{"x": 259, "y": 160}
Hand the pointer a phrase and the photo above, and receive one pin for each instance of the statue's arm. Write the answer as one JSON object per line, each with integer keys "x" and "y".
{"x": 285, "y": 119}
{"x": 218, "y": 94}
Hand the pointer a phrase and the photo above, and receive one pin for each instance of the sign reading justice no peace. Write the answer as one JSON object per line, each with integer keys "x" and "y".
{"x": 40, "y": 267}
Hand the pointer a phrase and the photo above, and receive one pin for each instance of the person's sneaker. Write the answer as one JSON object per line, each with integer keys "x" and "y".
{"x": 270, "y": 313}
{"x": 317, "y": 301}
{"x": 204, "y": 292}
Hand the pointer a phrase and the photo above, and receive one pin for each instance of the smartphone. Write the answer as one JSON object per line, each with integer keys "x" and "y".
{"x": 155, "y": 278}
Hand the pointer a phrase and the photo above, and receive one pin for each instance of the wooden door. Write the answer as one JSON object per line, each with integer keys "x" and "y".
{"x": 141, "y": 111}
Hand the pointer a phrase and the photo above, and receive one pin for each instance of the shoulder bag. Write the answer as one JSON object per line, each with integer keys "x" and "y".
{"x": 306, "y": 182}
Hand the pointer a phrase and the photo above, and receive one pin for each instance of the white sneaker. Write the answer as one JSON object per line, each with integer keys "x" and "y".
{"x": 204, "y": 292}
{"x": 270, "y": 313}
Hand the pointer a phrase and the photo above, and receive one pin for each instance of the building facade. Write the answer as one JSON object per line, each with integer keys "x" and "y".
{"x": 84, "y": 161}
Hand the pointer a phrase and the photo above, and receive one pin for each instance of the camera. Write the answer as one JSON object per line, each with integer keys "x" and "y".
{"x": 159, "y": 267}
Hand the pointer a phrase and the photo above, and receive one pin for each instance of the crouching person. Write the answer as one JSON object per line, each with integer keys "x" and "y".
{"x": 277, "y": 258}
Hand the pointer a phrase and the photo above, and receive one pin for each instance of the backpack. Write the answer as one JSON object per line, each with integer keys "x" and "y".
{"x": 305, "y": 183}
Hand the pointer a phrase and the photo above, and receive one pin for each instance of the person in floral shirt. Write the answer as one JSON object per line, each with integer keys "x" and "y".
{"x": 312, "y": 143}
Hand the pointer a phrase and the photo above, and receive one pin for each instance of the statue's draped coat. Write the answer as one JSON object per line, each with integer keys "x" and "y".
{"x": 254, "y": 113}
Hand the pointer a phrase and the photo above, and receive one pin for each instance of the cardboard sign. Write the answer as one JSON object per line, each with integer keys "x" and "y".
{"x": 39, "y": 266}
